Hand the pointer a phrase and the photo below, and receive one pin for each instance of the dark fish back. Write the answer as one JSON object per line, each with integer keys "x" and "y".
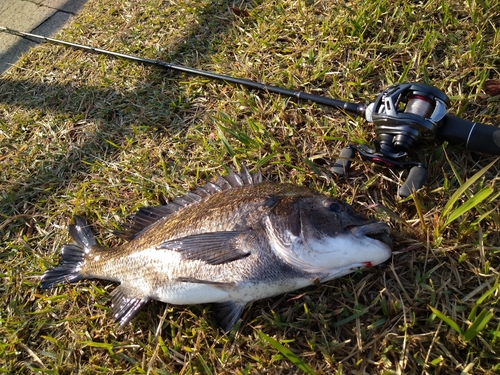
{"x": 147, "y": 216}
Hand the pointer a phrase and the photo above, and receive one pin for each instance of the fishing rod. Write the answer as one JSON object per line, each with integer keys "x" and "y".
{"x": 403, "y": 115}
{"x": 340, "y": 104}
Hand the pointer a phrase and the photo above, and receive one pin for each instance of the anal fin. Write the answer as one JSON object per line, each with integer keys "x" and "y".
{"x": 124, "y": 306}
{"x": 227, "y": 313}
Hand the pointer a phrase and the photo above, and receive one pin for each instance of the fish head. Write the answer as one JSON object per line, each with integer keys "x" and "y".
{"x": 326, "y": 236}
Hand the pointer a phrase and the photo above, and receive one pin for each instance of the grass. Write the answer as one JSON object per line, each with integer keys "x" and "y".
{"x": 101, "y": 137}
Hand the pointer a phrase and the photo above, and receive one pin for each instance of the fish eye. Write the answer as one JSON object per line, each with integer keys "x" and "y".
{"x": 333, "y": 205}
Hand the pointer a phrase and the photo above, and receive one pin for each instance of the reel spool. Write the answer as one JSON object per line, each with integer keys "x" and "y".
{"x": 405, "y": 114}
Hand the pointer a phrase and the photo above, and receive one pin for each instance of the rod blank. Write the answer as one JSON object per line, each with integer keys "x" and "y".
{"x": 358, "y": 109}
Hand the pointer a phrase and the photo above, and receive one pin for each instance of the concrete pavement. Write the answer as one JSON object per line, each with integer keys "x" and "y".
{"x": 44, "y": 17}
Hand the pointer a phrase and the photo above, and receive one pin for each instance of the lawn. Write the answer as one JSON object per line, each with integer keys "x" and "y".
{"x": 100, "y": 137}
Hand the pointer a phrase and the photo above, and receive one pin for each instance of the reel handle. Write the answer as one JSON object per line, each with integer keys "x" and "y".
{"x": 416, "y": 176}
{"x": 343, "y": 163}
{"x": 416, "y": 179}
{"x": 473, "y": 135}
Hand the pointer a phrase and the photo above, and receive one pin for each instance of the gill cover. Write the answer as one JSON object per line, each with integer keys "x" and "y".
{"x": 325, "y": 236}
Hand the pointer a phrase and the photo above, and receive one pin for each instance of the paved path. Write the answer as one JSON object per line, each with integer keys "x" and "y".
{"x": 44, "y": 17}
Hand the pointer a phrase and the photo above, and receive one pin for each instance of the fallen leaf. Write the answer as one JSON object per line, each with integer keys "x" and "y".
{"x": 492, "y": 87}
{"x": 240, "y": 12}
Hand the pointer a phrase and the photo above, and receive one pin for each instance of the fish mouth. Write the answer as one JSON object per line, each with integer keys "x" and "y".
{"x": 378, "y": 231}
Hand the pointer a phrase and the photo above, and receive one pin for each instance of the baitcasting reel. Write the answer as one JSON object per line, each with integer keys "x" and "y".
{"x": 404, "y": 115}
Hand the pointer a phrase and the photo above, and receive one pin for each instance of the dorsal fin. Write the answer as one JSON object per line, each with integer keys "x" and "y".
{"x": 147, "y": 216}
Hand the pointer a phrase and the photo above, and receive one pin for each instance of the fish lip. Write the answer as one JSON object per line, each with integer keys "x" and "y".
{"x": 376, "y": 230}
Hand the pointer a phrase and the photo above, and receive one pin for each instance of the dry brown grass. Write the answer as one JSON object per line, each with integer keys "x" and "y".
{"x": 97, "y": 136}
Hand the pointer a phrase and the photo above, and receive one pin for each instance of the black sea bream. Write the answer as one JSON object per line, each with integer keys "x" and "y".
{"x": 229, "y": 243}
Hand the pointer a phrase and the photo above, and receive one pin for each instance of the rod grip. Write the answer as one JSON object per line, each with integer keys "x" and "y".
{"x": 343, "y": 163}
{"x": 416, "y": 179}
{"x": 473, "y": 136}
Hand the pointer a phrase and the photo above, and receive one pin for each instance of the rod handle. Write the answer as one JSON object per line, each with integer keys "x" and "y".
{"x": 473, "y": 135}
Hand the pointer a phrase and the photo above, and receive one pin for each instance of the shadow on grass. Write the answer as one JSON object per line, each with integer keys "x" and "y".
{"x": 115, "y": 111}
{"x": 54, "y": 137}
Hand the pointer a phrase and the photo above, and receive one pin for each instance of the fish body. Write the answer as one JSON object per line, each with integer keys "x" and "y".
{"x": 229, "y": 243}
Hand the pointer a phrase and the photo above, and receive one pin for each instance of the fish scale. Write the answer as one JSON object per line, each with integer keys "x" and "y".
{"x": 230, "y": 242}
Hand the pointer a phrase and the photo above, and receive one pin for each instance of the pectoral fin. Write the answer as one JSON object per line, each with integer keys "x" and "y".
{"x": 227, "y": 313}
{"x": 125, "y": 307}
{"x": 213, "y": 248}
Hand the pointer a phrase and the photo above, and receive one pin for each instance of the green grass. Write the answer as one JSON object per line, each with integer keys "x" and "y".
{"x": 100, "y": 137}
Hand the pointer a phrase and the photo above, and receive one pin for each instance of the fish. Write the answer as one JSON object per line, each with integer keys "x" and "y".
{"x": 229, "y": 243}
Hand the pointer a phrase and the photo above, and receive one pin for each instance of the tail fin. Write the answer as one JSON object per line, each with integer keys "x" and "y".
{"x": 73, "y": 256}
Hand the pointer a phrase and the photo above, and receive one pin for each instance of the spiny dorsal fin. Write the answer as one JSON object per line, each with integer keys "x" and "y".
{"x": 147, "y": 216}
